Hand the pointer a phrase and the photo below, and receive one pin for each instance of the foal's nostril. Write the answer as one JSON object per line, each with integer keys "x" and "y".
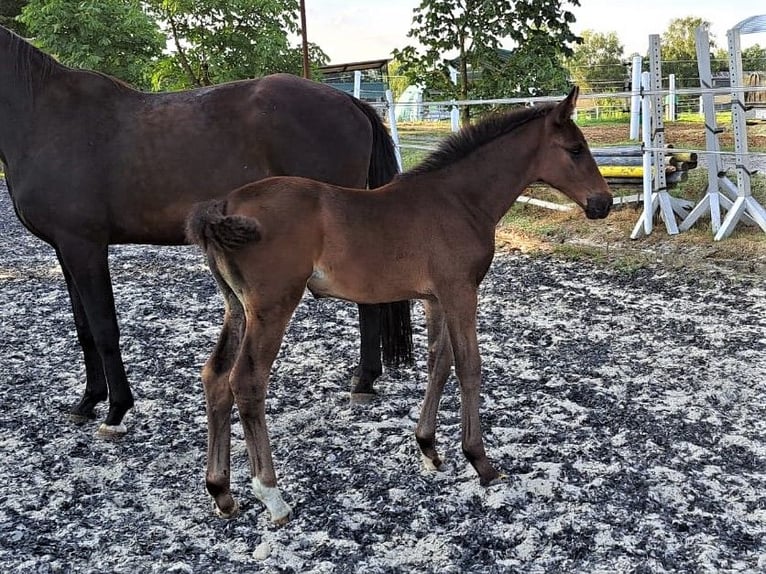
{"x": 598, "y": 207}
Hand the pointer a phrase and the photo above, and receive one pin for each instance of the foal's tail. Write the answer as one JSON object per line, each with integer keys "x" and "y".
{"x": 395, "y": 321}
{"x": 208, "y": 226}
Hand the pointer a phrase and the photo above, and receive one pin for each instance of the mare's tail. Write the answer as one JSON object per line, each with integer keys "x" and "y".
{"x": 208, "y": 226}
{"x": 395, "y": 321}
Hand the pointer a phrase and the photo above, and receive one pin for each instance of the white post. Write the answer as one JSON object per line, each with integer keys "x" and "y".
{"x": 671, "y": 109}
{"x": 635, "y": 99}
{"x": 646, "y": 128}
{"x": 454, "y": 112}
{"x": 358, "y": 84}
{"x": 393, "y": 128}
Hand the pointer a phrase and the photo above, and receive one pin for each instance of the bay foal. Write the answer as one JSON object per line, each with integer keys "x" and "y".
{"x": 427, "y": 235}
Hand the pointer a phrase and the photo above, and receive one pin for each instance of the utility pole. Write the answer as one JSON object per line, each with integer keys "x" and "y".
{"x": 304, "y": 40}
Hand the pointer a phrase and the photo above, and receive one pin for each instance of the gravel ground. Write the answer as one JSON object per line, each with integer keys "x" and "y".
{"x": 627, "y": 409}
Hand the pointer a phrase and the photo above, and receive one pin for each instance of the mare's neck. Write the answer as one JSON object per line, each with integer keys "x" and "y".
{"x": 23, "y": 71}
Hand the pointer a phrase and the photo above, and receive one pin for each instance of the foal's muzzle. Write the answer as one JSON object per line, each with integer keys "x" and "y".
{"x": 598, "y": 206}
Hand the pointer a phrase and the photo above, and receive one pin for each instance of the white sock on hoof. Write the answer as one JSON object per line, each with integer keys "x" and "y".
{"x": 428, "y": 463}
{"x": 272, "y": 499}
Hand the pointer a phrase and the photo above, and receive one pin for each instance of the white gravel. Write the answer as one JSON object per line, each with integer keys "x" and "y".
{"x": 627, "y": 408}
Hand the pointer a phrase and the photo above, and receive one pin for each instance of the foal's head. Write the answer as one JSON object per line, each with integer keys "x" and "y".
{"x": 567, "y": 164}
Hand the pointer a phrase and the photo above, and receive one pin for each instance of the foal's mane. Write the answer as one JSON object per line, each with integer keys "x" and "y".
{"x": 462, "y": 143}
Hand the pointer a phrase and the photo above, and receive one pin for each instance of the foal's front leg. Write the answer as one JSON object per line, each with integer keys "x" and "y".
{"x": 461, "y": 322}
{"x": 439, "y": 366}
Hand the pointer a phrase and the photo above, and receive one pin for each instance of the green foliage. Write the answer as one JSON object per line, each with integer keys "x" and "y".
{"x": 597, "y": 64}
{"x": 9, "y": 11}
{"x": 679, "y": 50}
{"x": 220, "y": 40}
{"x": 111, "y": 36}
{"x": 754, "y": 58}
{"x": 472, "y": 31}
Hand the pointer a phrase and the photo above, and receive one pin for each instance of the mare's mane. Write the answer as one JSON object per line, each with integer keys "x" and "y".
{"x": 34, "y": 65}
{"x": 462, "y": 143}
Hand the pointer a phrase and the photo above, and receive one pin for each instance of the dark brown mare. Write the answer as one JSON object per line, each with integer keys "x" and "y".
{"x": 91, "y": 162}
{"x": 432, "y": 238}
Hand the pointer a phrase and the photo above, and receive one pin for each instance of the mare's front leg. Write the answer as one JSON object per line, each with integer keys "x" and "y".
{"x": 95, "y": 382}
{"x": 264, "y": 328}
{"x": 370, "y": 366}
{"x": 439, "y": 367}
{"x": 219, "y": 401}
{"x": 87, "y": 267}
{"x": 460, "y": 313}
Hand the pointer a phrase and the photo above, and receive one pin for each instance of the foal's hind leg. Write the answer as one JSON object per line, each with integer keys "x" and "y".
{"x": 95, "y": 382}
{"x": 370, "y": 366}
{"x": 265, "y": 327}
{"x": 439, "y": 367}
{"x": 219, "y": 401}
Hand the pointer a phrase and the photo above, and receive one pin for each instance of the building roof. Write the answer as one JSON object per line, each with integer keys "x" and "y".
{"x": 353, "y": 66}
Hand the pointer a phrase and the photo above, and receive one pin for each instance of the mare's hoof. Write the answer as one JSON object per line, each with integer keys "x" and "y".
{"x": 231, "y": 510}
{"x": 79, "y": 418}
{"x": 362, "y": 398}
{"x": 111, "y": 432}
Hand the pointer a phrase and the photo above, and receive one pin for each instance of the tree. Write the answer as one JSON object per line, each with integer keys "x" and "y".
{"x": 112, "y": 36}
{"x": 597, "y": 63}
{"x": 679, "y": 50}
{"x": 472, "y": 30}
{"x": 9, "y": 10}
{"x": 219, "y": 40}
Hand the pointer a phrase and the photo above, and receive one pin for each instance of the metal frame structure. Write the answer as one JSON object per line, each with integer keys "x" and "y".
{"x": 656, "y": 196}
{"x": 737, "y": 199}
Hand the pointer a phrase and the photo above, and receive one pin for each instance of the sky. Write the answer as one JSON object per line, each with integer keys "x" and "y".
{"x": 370, "y": 30}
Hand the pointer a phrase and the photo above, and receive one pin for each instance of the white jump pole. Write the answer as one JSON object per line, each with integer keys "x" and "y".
{"x": 646, "y": 128}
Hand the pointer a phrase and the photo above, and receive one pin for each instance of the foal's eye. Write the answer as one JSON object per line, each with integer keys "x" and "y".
{"x": 576, "y": 150}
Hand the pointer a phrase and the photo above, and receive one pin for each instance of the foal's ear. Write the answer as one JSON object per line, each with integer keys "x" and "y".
{"x": 566, "y": 107}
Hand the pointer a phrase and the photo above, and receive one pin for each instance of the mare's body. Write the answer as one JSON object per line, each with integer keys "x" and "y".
{"x": 432, "y": 239}
{"x": 91, "y": 162}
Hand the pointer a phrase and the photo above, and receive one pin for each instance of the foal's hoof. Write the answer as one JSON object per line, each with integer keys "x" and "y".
{"x": 111, "y": 432}
{"x": 498, "y": 478}
{"x": 230, "y": 511}
{"x": 362, "y": 398}
{"x": 433, "y": 464}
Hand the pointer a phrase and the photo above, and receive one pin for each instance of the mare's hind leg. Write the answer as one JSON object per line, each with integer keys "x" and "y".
{"x": 219, "y": 401}
{"x": 95, "y": 382}
{"x": 88, "y": 269}
{"x": 439, "y": 367}
{"x": 370, "y": 366}
{"x": 264, "y": 329}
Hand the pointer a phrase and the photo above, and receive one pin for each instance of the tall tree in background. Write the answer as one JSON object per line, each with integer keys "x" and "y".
{"x": 220, "y": 40}
{"x": 679, "y": 50}
{"x": 597, "y": 63}
{"x": 471, "y": 32}
{"x": 9, "y": 10}
{"x": 112, "y": 36}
